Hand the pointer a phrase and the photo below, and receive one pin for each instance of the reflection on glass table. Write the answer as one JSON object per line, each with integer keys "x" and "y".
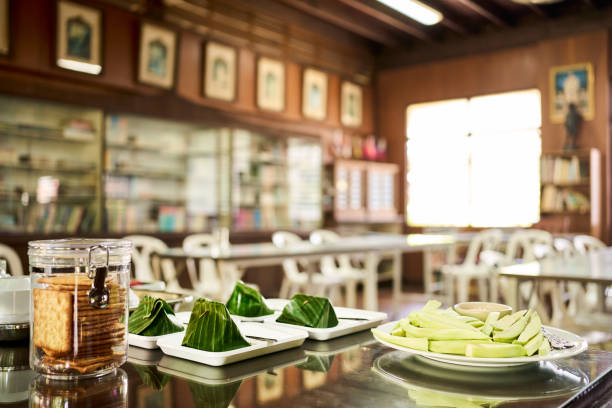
{"x": 433, "y": 383}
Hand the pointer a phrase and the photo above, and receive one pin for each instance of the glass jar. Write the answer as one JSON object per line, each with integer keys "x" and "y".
{"x": 79, "y": 307}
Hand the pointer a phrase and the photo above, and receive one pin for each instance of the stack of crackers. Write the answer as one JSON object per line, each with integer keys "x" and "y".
{"x": 71, "y": 336}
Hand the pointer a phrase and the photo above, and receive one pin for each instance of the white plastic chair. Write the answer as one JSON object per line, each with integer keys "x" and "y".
{"x": 565, "y": 247}
{"x": 471, "y": 268}
{"x": 296, "y": 281}
{"x": 585, "y": 244}
{"x": 209, "y": 282}
{"x": 12, "y": 259}
{"x": 523, "y": 246}
{"x": 339, "y": 266}
{"x": 146, "y": 269}
{"x": 594, "y": 296}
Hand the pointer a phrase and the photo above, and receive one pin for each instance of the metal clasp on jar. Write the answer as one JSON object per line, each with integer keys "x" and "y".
{"x": 98, "y": 294}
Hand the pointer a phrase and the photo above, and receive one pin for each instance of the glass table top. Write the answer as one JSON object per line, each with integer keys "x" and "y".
{"x": 351, "y": 371}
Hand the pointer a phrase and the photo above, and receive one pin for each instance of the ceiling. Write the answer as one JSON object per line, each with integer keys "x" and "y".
{"x": 353, "y": 37}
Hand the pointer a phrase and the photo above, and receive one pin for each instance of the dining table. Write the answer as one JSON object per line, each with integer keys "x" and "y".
{"x": 350, "y": 371}
{"x": 371, "y": 248}
{"x": 592, "y": 268}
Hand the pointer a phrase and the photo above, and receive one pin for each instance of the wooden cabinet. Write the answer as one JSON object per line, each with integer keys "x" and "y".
{"x": 361, "y": 191}
{"x": 571, "y": 192}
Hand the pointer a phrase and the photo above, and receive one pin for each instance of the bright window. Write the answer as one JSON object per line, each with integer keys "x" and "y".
{"x": 475, "y": 161}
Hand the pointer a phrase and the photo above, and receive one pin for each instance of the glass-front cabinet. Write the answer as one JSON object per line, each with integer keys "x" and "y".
{"x": 49, "y": 167}
{"x": 73, "y": 169}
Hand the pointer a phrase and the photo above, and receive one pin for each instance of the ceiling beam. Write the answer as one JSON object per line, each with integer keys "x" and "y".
{"x": 353, "y": 24}
{"x": 477, "y": 8}
{"x": 388, "y": 19}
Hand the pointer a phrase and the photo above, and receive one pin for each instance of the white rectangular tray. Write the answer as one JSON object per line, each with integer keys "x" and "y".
{"x": 146, "y": 342}
{"x": 285, "y": 337}
{"x": 343, "y": 328}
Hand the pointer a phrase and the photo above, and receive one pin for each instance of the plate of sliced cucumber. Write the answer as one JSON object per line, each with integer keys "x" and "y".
{"x": 445, "y": 335}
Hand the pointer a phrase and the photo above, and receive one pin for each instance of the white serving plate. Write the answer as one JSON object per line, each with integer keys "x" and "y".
{"x": 581, "y": 345}
{"x": 343, "y": 328}
{"x": 147, "y": 342}
{"x": 286, "y": 338}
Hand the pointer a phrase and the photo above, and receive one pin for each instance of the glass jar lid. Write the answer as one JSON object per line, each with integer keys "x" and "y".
{"x": 79, "y": 251}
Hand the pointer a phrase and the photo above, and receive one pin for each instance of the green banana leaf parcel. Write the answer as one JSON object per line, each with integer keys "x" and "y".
{"x": 309, "y": 311}
{"x": 246, "y": 301}
{"x": 151, "y": 318}
{"x": 211, "y": 328}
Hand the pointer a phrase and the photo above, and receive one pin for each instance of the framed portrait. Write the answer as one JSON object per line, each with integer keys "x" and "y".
{"x": 314, "y": 94}
{"x": 157, "y": 56}
{"x": 78, "y": 42}
{"x": 219, "y": 71}
{"x": 270, "y": 84}
{"x": 572, "y": 84}
{"x": 351, "y": 104}
{"x": 5, "y": 32}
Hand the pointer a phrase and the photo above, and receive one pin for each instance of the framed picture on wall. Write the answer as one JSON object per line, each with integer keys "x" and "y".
{"x": 571, "y": 84}
{"x": 314, "y": 94}
{"x": 270, "y": 84}
{"x": 157, "y": 56}
{"x": 219, "y": 71}
{"x": 351, "y": 104}
{"x": 78, "y": 42}
{"x": 5, "y": 32}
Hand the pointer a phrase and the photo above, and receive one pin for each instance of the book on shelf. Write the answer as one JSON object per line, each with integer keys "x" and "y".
{"x": 559, "y": 200}
{"x": 564, "y": 170}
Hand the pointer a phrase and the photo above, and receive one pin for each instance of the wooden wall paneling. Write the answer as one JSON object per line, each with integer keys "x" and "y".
{"x": 293, "y": 89}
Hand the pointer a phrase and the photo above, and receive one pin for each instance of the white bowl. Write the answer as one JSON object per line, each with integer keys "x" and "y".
{"x": 14, "y": 299}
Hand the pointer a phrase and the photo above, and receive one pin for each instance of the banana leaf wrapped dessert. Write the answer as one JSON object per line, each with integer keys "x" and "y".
{"x": 310, "y": 311}
{"x": 247, "y": 302}
{"x": 151, "y": 318}
{"x": 211, "y": 328}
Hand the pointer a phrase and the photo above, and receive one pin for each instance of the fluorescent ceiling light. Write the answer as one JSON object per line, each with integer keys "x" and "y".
{"x": 415, "y": 10}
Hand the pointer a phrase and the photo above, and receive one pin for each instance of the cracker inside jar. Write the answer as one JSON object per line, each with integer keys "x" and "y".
{"x": 70, "y": 336}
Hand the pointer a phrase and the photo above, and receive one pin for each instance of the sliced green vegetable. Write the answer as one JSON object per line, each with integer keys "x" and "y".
{"x": 309, "y": 311}
{"x": 453, "y": 346}
{"x": 212, "y": 329}
{"x": 432, "y": 305}
{"x": 151, "y": 318}
{"x": 442, "y": 334}
{"x": 398, "y": 332}
{"x": 534, "y": 344}
{"x": 494, "y": 350}
{"x": 512, "y": 332}
{"x": 410, "y": 342}
{"x": 246, "y": 301}
{"x": 487, "y": 328}
{"x": 533, "y": 328}
{"x": 507, "y": 321}
{"x": 437, "y": 321}
{"x": 544, "y": 348}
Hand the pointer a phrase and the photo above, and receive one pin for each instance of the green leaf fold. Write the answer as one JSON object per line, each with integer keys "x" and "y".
{"x": 309, "y": 311}
{"x": 211, "y": 328}
{"x": 151, "y": 318}
{"x": 246, "y": 301}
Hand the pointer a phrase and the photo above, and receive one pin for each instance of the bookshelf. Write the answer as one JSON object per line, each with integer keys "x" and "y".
{"x": 276, "y": 182}
{"x": 571, "y": 191}
{"x": 49, "y": 167}
{"x": 154, "y": 173}
{"x": 361, "y": 191}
